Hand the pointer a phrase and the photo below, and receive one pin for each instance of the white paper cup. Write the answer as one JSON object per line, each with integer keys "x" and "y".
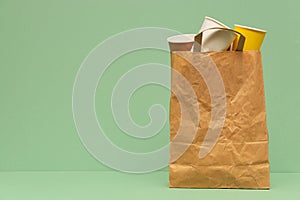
{"x": 209, "y": 22}
{"x": 182, "y": 42}
{"x": 218, "y": 40}
{"x": 215, "y": 40}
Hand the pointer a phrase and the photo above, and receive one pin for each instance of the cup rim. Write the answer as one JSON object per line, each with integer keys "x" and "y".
{"x": 216, "y": 21}
{"x": 188, "y": 39}
{"x": 250, "y": 28}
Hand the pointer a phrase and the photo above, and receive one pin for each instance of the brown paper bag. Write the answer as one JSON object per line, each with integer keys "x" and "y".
{"x": 218, "y": 130}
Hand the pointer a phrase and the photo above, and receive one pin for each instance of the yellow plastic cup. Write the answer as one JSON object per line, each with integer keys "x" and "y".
{"x": 254, "y": 37}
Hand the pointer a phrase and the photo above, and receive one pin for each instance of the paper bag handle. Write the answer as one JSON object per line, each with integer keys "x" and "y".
{"x": 241, "y": 42}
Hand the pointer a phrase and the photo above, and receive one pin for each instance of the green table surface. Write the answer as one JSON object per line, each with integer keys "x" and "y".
{"x": 117, "y": 185}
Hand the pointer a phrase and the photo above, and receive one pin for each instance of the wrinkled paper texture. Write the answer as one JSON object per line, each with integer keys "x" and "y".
{"x": 229, "y": 148}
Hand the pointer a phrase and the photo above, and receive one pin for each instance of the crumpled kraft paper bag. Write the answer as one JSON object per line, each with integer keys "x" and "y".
{"x": 218, "y": 129}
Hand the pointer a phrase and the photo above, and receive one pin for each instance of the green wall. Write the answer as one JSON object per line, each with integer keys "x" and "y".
{"x": 43, "y": 43}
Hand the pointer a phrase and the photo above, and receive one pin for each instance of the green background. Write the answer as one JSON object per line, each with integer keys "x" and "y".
{"x": 43, "y": 43}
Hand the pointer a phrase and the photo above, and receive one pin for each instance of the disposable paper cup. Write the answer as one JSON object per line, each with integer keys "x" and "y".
{"x": 254, "y": 37}
{"x": 209, "y": 22}
{"x": 219, "y": 40}
{"x": 181, "y": 42}
{"x": 215, "y": 40}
